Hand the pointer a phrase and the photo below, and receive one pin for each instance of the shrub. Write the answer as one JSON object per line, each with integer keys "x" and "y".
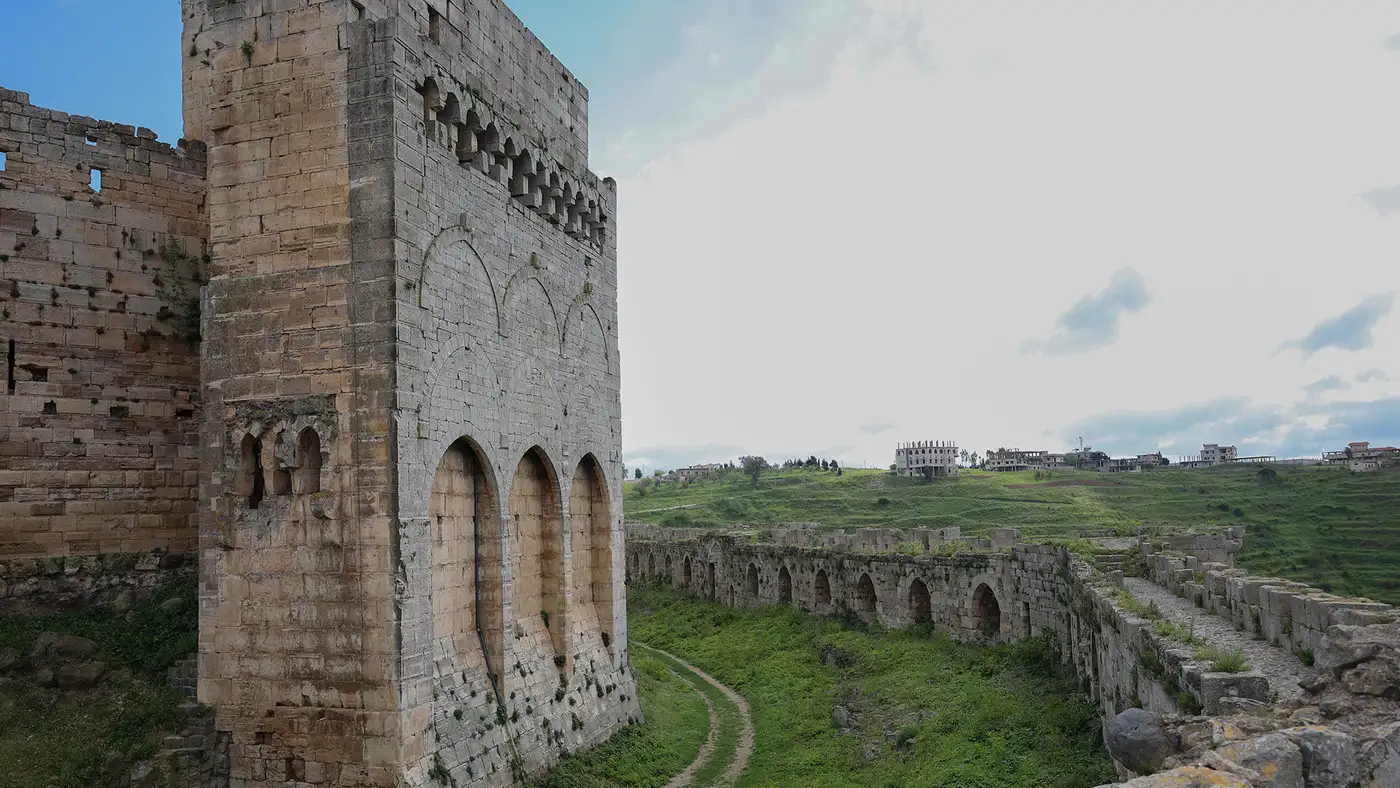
{"x": 1187, "y": 702}
{"x": 906, "y": 734}
{"x": 1305, "y": 655}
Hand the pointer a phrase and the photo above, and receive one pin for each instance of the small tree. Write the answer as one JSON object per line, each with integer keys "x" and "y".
{"x": 964, "y": 456}
{"x": 812, "y": 461}
{"x": 835, "y": 467}
{"x": 826, "y": 465}
{"x": 639, "y": 473}
{"x": 753, "y": 466}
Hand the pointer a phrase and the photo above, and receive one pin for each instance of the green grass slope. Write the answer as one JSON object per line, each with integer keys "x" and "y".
{"x": 647, "y": 754}
{"x": 81, "y": 738}
{"x": 923, "y": 710}
{"x": 1326, "y": 526}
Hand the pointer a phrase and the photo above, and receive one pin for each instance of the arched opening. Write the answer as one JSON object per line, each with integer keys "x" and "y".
{"x": 920, "y": 606}
{"x": 281, "y": 474}
{"x": 308, "y": 474}
{"x": 685, "y": 570}
{"x": 537, "y": 551}
{"x": 986, "y": 611}
{"x": 666, "y": 569}
{"x": 465, "y": 526}
{"x": 821, "y": 594}
{"x": 447, "y": 119}
{"x": 592, "y": 546}
{"x": 466, "y": 557}
{"x": 710, "y": 586}
{"x": 865, "y": 594}
{"x": 250, "y": 471}
{"x": 784, "y": 586}
{"x": 432, "y": 102}
{"x": 751, "y": 582}
{"x": 651, "y": 566}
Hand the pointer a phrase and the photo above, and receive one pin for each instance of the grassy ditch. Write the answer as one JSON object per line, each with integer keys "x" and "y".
{"x": 83, "y": 737}
{"x": 645, "y": 755}
{"x": 916, "y": 709}
{"x": 730, "y": 724}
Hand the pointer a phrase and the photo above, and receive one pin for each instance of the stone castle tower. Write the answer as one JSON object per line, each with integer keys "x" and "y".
{"x": 410, "y": 525}
{"x": 410, "y": 530}
{"x": 354, "y": 345}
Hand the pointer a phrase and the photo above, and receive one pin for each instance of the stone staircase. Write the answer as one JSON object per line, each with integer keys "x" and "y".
{"x": 1109, "y": 562}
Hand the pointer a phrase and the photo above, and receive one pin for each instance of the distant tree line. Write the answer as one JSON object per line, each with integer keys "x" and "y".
{"x": 814, "y": 464}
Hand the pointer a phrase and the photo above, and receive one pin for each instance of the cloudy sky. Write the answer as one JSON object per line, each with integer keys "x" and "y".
{"x": 846, "y": 223}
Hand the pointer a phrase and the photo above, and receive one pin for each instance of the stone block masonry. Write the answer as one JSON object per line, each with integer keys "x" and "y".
{"x": 356, "y": 348}
{"x": 102, "y": 257}
{"x": 1132, "y": 670}
{"x": 410, "y": 523}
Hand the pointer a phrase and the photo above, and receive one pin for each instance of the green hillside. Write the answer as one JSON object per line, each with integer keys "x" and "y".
{"x": 1329, "y": 527}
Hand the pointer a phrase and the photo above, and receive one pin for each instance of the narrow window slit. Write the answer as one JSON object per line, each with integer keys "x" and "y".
{"x": 95, "y": 179}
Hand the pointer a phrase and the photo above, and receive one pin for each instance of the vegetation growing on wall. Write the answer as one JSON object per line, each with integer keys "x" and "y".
{"x": 645, "y": 755}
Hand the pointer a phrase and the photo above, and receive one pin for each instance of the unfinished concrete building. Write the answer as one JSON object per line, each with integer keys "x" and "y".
{"x": 357, "y": 343}
{"x": 926, "y": 458}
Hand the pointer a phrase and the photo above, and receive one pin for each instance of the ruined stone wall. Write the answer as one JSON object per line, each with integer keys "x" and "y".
{"x": 1026, "y": 590}
{"x": 1293, "y": 616}
{"x": 506, "y": 308}
{"x": 102, "y": 238}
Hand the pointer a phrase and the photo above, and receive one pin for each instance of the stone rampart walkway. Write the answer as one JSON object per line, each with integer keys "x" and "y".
{"x": 1281, "y": 668}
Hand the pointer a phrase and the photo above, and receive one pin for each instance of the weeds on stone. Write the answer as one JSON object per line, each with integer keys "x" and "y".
{"x": 1231, "y": 661}
{"x": 1181, "y": 633}
{"x": 1125, "y": 598}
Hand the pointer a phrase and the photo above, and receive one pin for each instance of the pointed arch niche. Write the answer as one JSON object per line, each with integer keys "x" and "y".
{"x": 537, "y": 549}
{"x": 466, "y": 533}
{"x": 591, "y": 521}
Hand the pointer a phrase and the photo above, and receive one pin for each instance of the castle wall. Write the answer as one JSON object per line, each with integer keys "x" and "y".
{"x": 1026, "y": 590}
{"x": 412, "y": 266}
{"x": 506, "y": 307}
{"x": 297, "y": 635}
{"x": 99, "y": 334}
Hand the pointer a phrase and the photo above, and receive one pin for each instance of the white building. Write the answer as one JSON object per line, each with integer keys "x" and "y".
{"x": 1018, "y": 460}
{"x": 1362, "y": 456}
{"x": 926, "y": 458}
{"x": 1212, "y": 454}
{"x": 1215, "y": 454}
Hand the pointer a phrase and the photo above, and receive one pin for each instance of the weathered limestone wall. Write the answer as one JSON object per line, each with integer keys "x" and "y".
{"x": 1025, "y": 590}
{"x": 99, "y": 333}
{"x": 43, "y": 586}
{"x": 1293, "y": 616}
{"x": 506, "y": 307}
{"x": 411, "y": 536}
{"x": 298, "y": 643}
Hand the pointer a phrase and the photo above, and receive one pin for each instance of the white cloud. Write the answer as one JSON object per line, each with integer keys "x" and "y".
{"x": 874, "y": 244}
